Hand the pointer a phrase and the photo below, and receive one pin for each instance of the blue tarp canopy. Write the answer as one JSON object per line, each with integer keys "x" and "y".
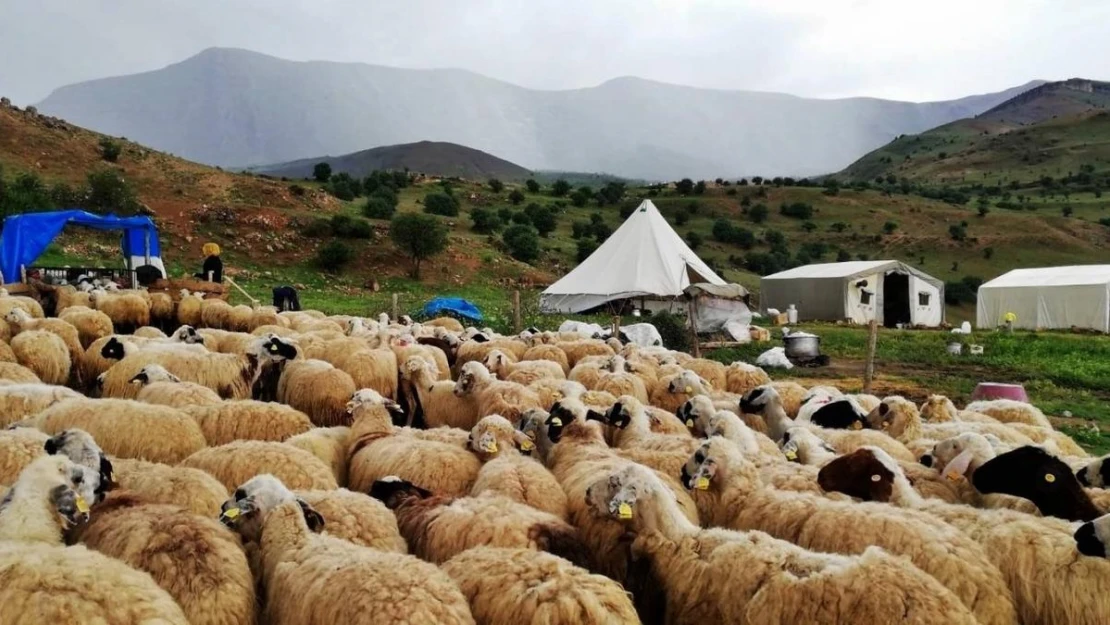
{"x": 455, "y": 305}
{"x": 26, "y": 237}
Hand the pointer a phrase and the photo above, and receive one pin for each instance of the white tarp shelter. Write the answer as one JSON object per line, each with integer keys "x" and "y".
{"x": 888, "y": 291}
{"x": 1048, "y": 297}
{"x": 644, "y": 258}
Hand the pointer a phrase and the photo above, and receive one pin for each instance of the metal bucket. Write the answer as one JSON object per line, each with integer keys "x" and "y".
{"x": 802, "y": 347}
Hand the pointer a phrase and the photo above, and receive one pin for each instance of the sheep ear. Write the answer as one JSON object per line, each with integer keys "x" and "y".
{"x": 313, "y": 518}
{"x": 957, "y": 468}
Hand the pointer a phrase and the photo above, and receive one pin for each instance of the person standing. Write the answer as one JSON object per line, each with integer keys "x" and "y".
{"x": 213, "y": 268}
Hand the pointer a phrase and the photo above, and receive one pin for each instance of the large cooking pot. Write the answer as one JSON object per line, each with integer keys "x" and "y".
{"x": 802, "y": 347}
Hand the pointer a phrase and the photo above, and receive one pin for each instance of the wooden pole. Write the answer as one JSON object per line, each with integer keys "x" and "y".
{"x": 693, "y": 320}
{"x": 396, "y": 308}
{"x": 872, "y": 343}
{"x": 240, "y": 289}
{"x": 517, "y": 325}
{"x": 616, "y": 329}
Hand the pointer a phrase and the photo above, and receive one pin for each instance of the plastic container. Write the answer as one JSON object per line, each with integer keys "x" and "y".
{"x": 994, "y": 390}
{"x": 792, "y": 314}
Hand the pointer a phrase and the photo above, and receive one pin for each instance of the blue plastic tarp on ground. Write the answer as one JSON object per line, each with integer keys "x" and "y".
{"x": 26, "y": 237}
{"x": 455, "y": 305}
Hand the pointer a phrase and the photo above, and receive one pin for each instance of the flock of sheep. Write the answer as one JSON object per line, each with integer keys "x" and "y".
{"x": 194, "y": 462}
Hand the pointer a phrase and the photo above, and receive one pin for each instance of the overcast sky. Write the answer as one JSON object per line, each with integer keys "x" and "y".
{"x": 902, "y": 49}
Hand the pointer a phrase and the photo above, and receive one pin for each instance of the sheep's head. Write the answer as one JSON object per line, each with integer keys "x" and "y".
{"x": 959, "y": 456}
{"x": 17, "y": 316}
{"x": 687, "y": 383}
{"x": 821, "y": 393}
{"x": 893, "y": 415}
{"x": 369, "y": 397}
{"x": 1034, "y": 474}
{"x": 154, "y": 373}
{"x": 704, "y": 464}
{"x": 696, "y": 412}
{"x": 867, "y": 473}
{"x": 248, "y": 507}
{"x": 472, "y": 375}
{"x": 616, "y": 496}
{"x": 80, "y": 447}
{"x": 413, "y": 367}
{"x": 757, "y": 399}
{"x": 274, "y": 348}
{"x": 496, "y": 360}
{"x": 393, "y": 491}
{"x": 1093, "y": 538}
{"x": 494, "y": 433}
{"x": 113, "y": 349}
{"x": 938, "y": 408}
{"x": 1096, "y": 474}
{"x": 68, "y": 487}
{"x": 187, "y": 334}
{"x": 621, "y": 414}
{"x": 798, "y": 443}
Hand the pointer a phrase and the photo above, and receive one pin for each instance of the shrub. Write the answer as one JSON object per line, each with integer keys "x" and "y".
{"x": 797, "y": 210}
{"x": 725, "y": 232}
{"x": 441, "y": 204}
{"x": 505, "y": 214}
{"x": 672, "y": 328}
{"x": 317, "y": 228}
{"x": 532, "y": 185}
{"x": 385, "y": 193}
{"x": 585, "y": 248}
{"x": 962, "y": 291}
{"x": 522, "y": 218}
{"x": 681, "y": 216}
{"x": 699, "y": 188}
{"x": 889, "y": 227}
{"x": 958, "y": 232}
{"x": 842, "y": 256}
{"x": 580, "y": 229}
{"x": 731, "y": 191}
{"x": 109, "y": 150}
{"x": 693, "y": 239}
{"x": 334, "y": 256}
{"x": 984, "y": 209}
{"x": 758, "y": 213}
{"x": 377, "y": 207}
{"x": 1105, "y": 221}
{"x": 742, "y": 182}
{"x": 496, "y": 185}
{"x": 560, "y": 188}
{"x": 601, "y": 231}
{"x": 522, "y": 241}
{"x": 486, "y": 221}
{"x": 321, "y": 172}
{"x": 343, "y": 187}
{"x": 1066, "y": 210}
{"x": 296, "y": 190}
{"x": 838, "y": 226}
{"x": 544, "y": 220}
{"x": 988, "y": 253}
{"x": 419, "y": 236}
{"x": 349, "y": 228}
{"x": 108, "y": 192}
{"x": 579, "y": 199}
{"x": 809, "y": 226}
{"x": 516, "y": 197}
{"x": 684, "y": 186}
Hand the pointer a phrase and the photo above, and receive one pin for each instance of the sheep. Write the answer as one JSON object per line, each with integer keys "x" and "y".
{"x": 18, "y": 401}
{"x": 740, "y": 377}
{"x": 232, "y": 376}
{"x": 106, "y": 351}
{"x": 236, "y": 462}
{"x": 192, "y": 489}
{"x": 792, "y": 395}
{"x": 162, "y": 312}
{"x": 1023, "y": 547}
{"x": 126, "y": 428}
{"x": 66, "y": 297}
{"x": 938, "y": 409}
{"x": 1034, "y": 474}
{"x": 265, "y": 316}
{"x": 327, "y": 444}
{"x": 958, "y": 458}
{"x": 6, "y": 353}
{"x": 901, "y": 419}
{"x": 41, "y": 578}
{"x": 549, "y": 353}
{"x": 1095, "y": 474}
{"x": 577, "y": 350}
{"x": 437, "y": 528}
{"x": 474, "y": 351}
{"x": 405, "y": 348}
{"x": 128, "y": 311}
{"x": 1093, "y": 537}
{"x": 1009, "y": 411}
{"x": 447, "y": 323}
{"x": 523, "y": 372}
{"x": 216, "y": 314}
{"x": 738, "y": 500}
{"x": 376, "y": 450}
{"x": 166, "y": 389}
{"x": 188, "y": 308}
{"x": 509, "y": 473}
{"x": 723, "y": 576}
{"x": 524, "y": 586}
{"x": 436, "y": 402}
{"x": 45, "y": 354}
{"x": 90, "y": 324}
{"x": 368, "y": 368}
{"x": 356, "y": 518}
{"x": 494, "y": 396}
{"x": 15, "y": 373}
{"x": 633, "y": 427}
{"x": 617, "y": 380}
{"x": 701, "y": 418}
{"x": 239, "y": 318}
{"x": 318, "y": 389}
{"x": 198, "y": 561}
{"x": 22, "y": 302}
{"x": 225, "y": 422}
{"x": 18, "y": 449}
{"x": 149, "y": 332}
{"x": 316, "y": 578}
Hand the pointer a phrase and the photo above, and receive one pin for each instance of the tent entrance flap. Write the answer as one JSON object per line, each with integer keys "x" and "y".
{"x": 896, "y": 299}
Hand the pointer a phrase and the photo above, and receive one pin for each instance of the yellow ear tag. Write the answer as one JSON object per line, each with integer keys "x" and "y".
{"x": 702, "y": 483}
{"x": 82, "y": 505}
{"x": 557, "y": 395}
{"x": 876, "y": 478}
{"x": 791, "y": 455}
{"x": 955, "y": 477}
{"x": 557, "y": 422}
{"x": 886, "y": 424}
{"x": 273, "y": 347}
{"x": 231, "y": 513}
{"x": 493, "y": 447}
{"x": 1050, "y": 478}
{"x": 624, "y": 511}
{"x": 689, "y": 423}
{"x": 856, "y": 425}
{"x": 689, "y": 389}
{"x": 527, "y": 445}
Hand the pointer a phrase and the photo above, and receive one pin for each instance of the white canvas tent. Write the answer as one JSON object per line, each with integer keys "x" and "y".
{"x": 888, "y": 291}
{"x": 1048, "y": 297}
{"x": 644, "y": 258}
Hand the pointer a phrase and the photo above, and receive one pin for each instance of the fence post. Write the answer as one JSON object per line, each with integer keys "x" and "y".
{"x": 517, "y": 326}
{"x": 396, "y": 309}
{"x": 692, "y": 317}
{"x": 872, "y": 343}
{"x": 616, "y": 329}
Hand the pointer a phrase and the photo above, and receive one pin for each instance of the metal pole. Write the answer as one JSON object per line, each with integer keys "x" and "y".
{"x": 146, "y": 246}
{"x": 872, "y": 343}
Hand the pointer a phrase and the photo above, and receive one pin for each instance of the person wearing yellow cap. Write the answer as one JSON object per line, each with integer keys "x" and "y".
{"x": 1009, "y": 318}
{"x": 213, "y": 269}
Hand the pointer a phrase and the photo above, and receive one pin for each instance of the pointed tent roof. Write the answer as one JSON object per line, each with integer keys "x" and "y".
{"x": 644, "y": 257}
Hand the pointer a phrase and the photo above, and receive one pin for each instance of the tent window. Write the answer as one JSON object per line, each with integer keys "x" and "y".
{"x": 922, "y": 298}
{"x": 865, "y": 297}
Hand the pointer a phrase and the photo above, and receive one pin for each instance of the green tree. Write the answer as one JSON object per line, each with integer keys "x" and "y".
{"x": 585, "y": 247}
{"x": 516, "y": 197}
{"x": 809, "y": 226}
{"x": 797, "y": 210}
{"x": 890, "y": 226}
{"x": 419, "y": 236}
{"x": 681, "y": 216}
{"x": 579, "y": 199}
{"x": 496, "y": 185}
{"x": 1066, "y": 210}
{"x": 522, "y": 218}
{"x": 485, "y": 220}
{"x": 109, "y": 150}
{"x": 958, "y": 232}
{"x": 838, "y": 226}
{"x": 699, "y": 188}
{"x": 544, "y": 220}
{"x": 988, "y": 253}
{"x": 333, "y": 256}
{"x": 758, "y": 213}
{"x": 533, "y": 186}
{"x": 522, "y": 241}
{"x": 560, "y": 188}
{"x": 441, "y": 204}
{"x": 684, "y": 186}
{"x": 108, "y": 192}
{"x": 321, "y": 172}
{"x": 693, "y": 239}
{"x": 378, "y": 208}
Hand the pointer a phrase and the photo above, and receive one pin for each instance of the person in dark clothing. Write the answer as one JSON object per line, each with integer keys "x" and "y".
{"x": 285, "y": 298}
{"x": 213, "y": 268}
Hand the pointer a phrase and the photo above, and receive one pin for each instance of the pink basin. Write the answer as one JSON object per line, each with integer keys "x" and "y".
{"x": 992, "y": 390}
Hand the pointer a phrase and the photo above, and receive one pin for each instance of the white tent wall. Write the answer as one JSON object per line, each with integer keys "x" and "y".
{"x": 926, "y": 303}
{"x": 1046, "y": 307}
{"x": 854, "y": 306}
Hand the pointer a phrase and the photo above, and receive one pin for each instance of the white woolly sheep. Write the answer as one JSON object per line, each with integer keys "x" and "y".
{"x": 1009, "y": 411}
{"x": 494, "y": 396}
{"x": 192, "y": 489}
{"x": 188, "y": 308}
{"x": 164, "y": 388}
{"x": 436, "y": 399}
{"x": 740, "y": 377}
{"x": 45, "y": 354}
{"x": 318, "y": 389}
{"x": 524, "y": 372}
{"x": 327, "y": 444}
{"x": 226, "y": 422}
{"x": 90, "y": 324}
{"x": 549, "y": 353}
{"x": 236, "y": 462}
{"x": 216, "y": 314}
{"x": 509, "y": 472}
{"x": 18, "y": 401}
{"x": 368, "y": 368}
{"x": 357, "y": 518}
{"x": 15, "y": 373}
{"x": 18, "y": 449}
{"x": 128, "y": 311}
